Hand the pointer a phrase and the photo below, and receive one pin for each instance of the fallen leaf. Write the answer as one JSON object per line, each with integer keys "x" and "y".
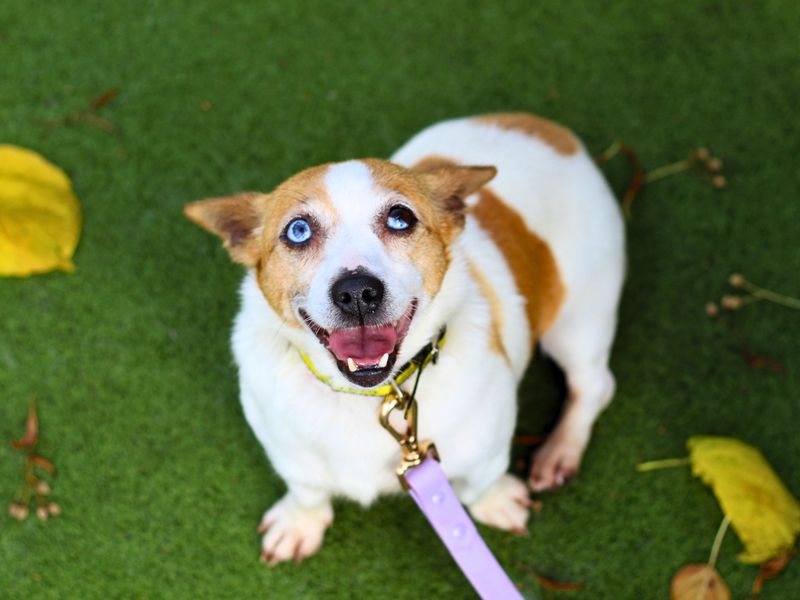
{"x": 758, "y": 362}
{"x": 698, "y": 582}
{"x": 31, "y": 429}
{"x": 770, "y": 570}
{"x": 40, "y": 218}
{"x": 104, "y": 99}
{"x": 764, "y": 514}
{"x": 41, "y": 461}
{"x": 556, "y": 585}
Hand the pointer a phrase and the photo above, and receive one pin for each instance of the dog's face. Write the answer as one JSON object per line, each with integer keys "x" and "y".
{"x": 348, "y": 254}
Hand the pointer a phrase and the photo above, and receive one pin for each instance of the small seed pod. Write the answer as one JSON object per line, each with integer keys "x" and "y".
{"x": 42, "y": 513}
{"x": 736, "y": 280}
{"x": 702, "y": 154}
{"x": 714, "y": 164}
{"x": 719, "y": 182}
{"x": 42, "y": 488}
{"x": 712, "y": 310}
{"x": 731, "y": 302}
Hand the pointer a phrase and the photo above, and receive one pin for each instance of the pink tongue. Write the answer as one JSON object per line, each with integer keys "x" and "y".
{"x": 365, "y": 345}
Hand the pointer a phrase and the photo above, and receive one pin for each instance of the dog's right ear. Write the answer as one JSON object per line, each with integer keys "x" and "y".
{"x": 236, "y": 219}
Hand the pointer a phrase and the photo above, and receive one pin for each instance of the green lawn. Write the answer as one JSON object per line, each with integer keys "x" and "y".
{"x": 162, "y": 483}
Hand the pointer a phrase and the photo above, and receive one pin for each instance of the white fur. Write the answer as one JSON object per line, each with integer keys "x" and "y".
{"x": 325, "y": 443}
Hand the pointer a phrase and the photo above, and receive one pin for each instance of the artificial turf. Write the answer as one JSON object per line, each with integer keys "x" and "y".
{"x": 160, "y": 479}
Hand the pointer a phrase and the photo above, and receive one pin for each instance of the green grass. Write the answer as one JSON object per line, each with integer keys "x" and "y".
{"x": 160, "y": 479}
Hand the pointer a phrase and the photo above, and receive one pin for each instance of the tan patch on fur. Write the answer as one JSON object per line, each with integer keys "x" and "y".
{"x": 559, "y": 138}
{"x": 437, "y": 198}
{"x": 529, "y": 258}
{"x": 495, "y": 309}
{"x": 283, "y": 272}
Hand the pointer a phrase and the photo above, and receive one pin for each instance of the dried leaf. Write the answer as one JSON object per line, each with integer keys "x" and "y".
{"x": 556, "y": 585}
{"x": 698, "y": 582}
{"x": 40, "y": 217}
{"x": 758, "y": 362}
{"x": 764, "y": 514}
{"x": 105, "y": 98}
{"x": 770, "y": 570}
{"x": 41, "y": 461}
{"x": 31, "y": 429}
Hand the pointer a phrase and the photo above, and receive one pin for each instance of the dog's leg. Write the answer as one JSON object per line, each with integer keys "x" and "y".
{"x": 295, "y": 525}
{"x": 581, "y": 347}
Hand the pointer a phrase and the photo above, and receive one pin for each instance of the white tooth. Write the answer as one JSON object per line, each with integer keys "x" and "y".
{"x": 351, "y": 364}
{"x": 384, "y": 360}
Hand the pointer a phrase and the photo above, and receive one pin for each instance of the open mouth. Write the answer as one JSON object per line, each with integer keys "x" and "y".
{"x": 364, "y": 355}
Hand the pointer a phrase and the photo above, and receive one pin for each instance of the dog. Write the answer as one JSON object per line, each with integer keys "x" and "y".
{"x": 498, "y": 227}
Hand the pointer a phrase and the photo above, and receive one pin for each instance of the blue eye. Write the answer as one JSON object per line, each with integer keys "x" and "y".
{"x": 400, "y": 218}
{"x": 298, "y": 231}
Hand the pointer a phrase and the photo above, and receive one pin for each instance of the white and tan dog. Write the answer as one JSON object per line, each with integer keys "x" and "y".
{"x": 359, "y": 264}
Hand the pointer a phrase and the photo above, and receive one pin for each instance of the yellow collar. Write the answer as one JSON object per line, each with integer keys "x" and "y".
{"x": 421, "y": 359}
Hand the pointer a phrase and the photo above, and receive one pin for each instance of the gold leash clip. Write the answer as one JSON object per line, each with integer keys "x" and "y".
{"x": 413, "y": 452}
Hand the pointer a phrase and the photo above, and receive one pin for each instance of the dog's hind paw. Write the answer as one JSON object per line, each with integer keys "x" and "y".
{"x": 293, "y": 532}
{"x": 555, "y": 463}
{"x": 505, "y": 505}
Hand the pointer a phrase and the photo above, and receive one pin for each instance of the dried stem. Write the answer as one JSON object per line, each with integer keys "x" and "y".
{"x": 764, "y": 294}
{"x": 667, "y": 463}
{"x": 723, "y": 527}
{"x": 667, "y": 170}
{"x": 609, "y": 152}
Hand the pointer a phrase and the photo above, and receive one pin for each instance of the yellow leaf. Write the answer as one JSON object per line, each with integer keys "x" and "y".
{"x": 40, "y": 218}
{"x": 698, "y": 582}
{"x": 764, "y": 514}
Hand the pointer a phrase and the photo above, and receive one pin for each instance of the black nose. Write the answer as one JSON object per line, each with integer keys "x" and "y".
{"x": 357, "y": 295}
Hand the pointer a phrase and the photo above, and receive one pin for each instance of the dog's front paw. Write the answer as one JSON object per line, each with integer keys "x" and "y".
{"x": 293, "y": 532}
{"x": 556, "y": 462}
{"x": 505, "y": 505}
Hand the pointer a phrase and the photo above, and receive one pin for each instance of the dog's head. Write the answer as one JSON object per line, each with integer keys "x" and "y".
{"x": 348, "y": 254}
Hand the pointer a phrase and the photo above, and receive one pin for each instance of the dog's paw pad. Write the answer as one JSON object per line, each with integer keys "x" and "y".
{"x": 293, "y": 532}
{"x": 505, "y": 505}
{"x": 554, "y": 464}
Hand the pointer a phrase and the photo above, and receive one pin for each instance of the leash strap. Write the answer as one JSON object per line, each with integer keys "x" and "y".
{"x": 436, "y": 499}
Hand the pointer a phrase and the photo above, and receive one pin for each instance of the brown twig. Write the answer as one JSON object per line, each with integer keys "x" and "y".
{"x": 90, "y": 116}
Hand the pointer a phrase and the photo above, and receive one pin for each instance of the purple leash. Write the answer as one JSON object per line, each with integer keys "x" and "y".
{"x": 430, "y": 489}
{"x": 422, "y": 476}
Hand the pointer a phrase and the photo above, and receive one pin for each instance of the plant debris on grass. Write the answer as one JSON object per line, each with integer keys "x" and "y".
{"x": 90, "y": 115}
{"x": 700, "y": 159}
{"x": 33, "y": 492}
{"x": 751, "y": 293}
{"x": 755, "y": 501}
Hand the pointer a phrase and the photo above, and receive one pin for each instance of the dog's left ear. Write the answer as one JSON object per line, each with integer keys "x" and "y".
{"x": 450, "y": 185}
{"x": 236, "y": 219}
